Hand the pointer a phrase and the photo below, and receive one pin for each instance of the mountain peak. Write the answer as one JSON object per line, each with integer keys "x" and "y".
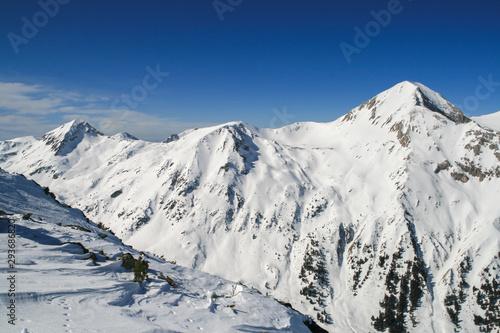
{"x": 409, "y": 96}
{"x": 124, "y": 136}
{"x": 66, "y": 137}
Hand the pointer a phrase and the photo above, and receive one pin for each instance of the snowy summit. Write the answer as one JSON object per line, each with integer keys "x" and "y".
{"x": 386, "y": 219}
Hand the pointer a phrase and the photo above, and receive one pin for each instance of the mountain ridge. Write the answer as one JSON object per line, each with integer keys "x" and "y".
{"x": 489, "y": 120}
{"x": 65, "y": 138}
{"x": 339, "y": 219}
{"x": 405, "y": 97}
{"x": 55, "y": 242}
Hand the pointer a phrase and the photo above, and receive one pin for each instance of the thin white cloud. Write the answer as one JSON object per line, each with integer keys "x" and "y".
{"x": 15, "y": 126}
{"x": 25, "y": 99}
{"x": 35, "y": 109}
{"x": 144, "y": 126}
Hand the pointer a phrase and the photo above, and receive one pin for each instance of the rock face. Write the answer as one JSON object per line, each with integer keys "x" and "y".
{"x": 65, "y": 138}
{"x": 385, "y": 219}
{"x": 128, "y": 260}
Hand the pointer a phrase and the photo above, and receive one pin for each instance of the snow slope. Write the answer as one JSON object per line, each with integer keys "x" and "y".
{"x": 386, "y": 218}
{"x": 59, "y": 288}
{"x": 489, "y": 120}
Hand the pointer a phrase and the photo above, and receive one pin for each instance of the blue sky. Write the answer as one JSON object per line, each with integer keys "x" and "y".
{"x": 268, "y": 63}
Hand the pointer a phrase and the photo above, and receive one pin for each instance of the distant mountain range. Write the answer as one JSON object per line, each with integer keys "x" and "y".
{"x": 386, "y": 219}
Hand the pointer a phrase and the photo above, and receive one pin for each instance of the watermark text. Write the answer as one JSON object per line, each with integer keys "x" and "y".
{"x": 29, "y": 29}
{"x": 483, "y": 91}
{"x": 221, "y": 7}
{"x": 363, "y": 37}
{"x": 11, "y": 273}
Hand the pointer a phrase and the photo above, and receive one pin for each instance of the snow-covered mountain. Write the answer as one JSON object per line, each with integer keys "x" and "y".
{"x": 66, "y": 275}
{"x": 386, "y": 218}
{"x": 489, "y": 120}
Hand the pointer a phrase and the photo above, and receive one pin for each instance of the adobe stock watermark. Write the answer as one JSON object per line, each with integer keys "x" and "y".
{"x": 138, "y": 94}
{"x": 483, "y": 91}
{"x": 29, "y": 29}
{"x": 11, "y": 273}
{"x": 363, "y": 37}
{"x": 223, "y": 6}
{"x": 281, "y": 118}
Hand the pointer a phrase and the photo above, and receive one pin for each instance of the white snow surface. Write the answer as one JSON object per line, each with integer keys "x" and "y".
{"x": 59, "y": 289}
{"x": 489, "y": 120}
{"x": 315, "y": 214}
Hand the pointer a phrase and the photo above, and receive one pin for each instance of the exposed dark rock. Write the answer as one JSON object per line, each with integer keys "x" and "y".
{"x": 173, "y": 137}
{"x": 116, "y": 193}
{"x": 460, "y": 176}
{"x": 403, "y": 137}
{"x": 84, "y": 249}
{"x": 128, "y": 261}
{"x": 313, "y": 327}
{"x": 46, "y": 190}
{"x": 93, "y": 257}
{"x": 456, "y": 115}
{"x": 77, "y": 227}
{"x": 442, "y": 166}
{"x": 73, "y": 136}
{"x": 169, "y": 280}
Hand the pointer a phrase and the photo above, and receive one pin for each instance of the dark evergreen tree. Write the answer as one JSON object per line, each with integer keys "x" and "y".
{"x": 141, "y": 269}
